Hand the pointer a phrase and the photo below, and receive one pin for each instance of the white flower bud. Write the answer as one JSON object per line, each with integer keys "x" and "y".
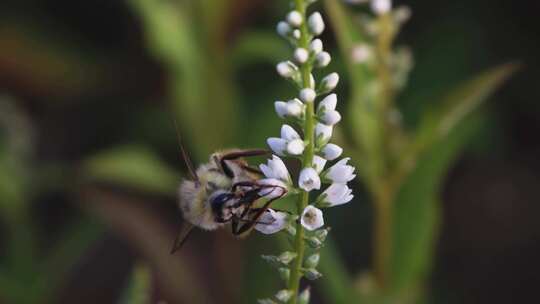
{"x": 284, "y": 295}
{"x": 275, "y": 168}
{"x": 283, "y": 28}
{"x": 322, "y": 59}
{"x": 278, "y": 145}
{"x": 295, "y": 147}
{"x": 295, "y": 108}
{"x": 304, "y": 297}
{"x": 329, "y": 82}
{"x": 319, "y": 163}
{"x": 316, "y": 24}
{"x": 281, "y": 108}
{"x": 296, "y": 34}
{"x": 328, "y": 103}
{"x": 309, "y": 179}
{"x": 341, "y": 172}
{"x": 301, "y": 55}
{"x": 289, "y": 133}
{"x": 361, "y": 53}
{"x": 381, "y": 6}
{"x": 330, "y": 118}
{"x": 312, "y": 218}
{"x": 331, "y": 151}
{"x": 294, "y": 18}
{"x": 316, "y": 46}
{"x": 323, "y": 133}
{"x": 271, "y": 222}
{"x": 286, "y": 69}
{"x": 307, "y": 95}
{"x": 336, "y": 194}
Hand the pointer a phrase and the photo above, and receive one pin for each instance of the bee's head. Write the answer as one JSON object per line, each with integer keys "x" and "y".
{"x": 219, "y": 199}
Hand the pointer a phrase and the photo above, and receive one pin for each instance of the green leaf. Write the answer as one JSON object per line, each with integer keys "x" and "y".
{"x": 138, "y": 291}
{"x": 254, "y": 47}
{"x": 438, "y": 121}
{"x": 442, "y": 135}
{"x": 133, "y": 167}
{"x": 337, "y": 285}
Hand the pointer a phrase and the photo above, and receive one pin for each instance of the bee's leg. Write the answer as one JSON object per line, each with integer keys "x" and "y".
{"x": 243, "y": 184}
{"x": 238, "y": 154}
{"x": 253, "y": 221}
{"x": 252, "y": 170}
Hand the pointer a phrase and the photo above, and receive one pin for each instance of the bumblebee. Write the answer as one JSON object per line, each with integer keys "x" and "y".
{"x": 223, "y": 191}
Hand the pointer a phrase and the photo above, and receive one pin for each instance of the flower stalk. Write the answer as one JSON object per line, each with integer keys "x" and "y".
{"x": 311, "y": 146}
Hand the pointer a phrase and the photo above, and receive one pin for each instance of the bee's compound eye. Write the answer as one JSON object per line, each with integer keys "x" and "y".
{"x": 221, "y": 199}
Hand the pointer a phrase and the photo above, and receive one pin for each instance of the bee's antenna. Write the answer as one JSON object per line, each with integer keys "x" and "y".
{"x": 185, "y": 156}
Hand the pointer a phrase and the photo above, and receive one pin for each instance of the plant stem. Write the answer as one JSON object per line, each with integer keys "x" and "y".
{"x": 307, "y": 161}
{"x": 383, "y": 192}
{"x": 382, "y": 238}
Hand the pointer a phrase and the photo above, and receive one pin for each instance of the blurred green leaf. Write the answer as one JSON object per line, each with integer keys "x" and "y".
{"x": 257, "y": 47}
{"x": 200, "y": 80}
{"x": 337, "y": 285}
{"x": 138, "y": 290}
{"x": 134, "y": 167}
{"x": 438, "y": 121}
{"x": 363, "y": 119}
{"x": 443, "y": 133}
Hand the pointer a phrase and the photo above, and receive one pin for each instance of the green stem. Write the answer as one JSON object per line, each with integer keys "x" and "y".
{"x": 382, "y": 192}
{"x": 307, "y": 161}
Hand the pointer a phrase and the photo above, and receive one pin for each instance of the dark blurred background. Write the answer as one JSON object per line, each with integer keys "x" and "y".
{"x": 77, "y": 78}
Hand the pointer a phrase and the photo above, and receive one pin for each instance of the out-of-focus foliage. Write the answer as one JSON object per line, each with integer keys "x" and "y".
{"x": 88, "y": 146}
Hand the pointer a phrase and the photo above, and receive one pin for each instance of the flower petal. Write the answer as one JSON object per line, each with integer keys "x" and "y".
{"x": 309, "y": 179}
{"x": 312, "y": 218}
{"x": 271, "y": 222}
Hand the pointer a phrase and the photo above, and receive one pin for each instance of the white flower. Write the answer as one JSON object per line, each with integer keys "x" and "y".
{"x": 272, "y": 188}
{"x": 316, "y": 46}
{"x": 294, "y": 18}
{"x": 322, "y": 59}
{"x": 323, "y": 133}
{"x": 295, "y": 108}
{"x": 331, "y": 151}
{"x": 328, "y": 103}
{"x": 291, "y": 108}
{"x": 286, "y": 69}
{"x": 296, "y": 34}
{"x": 295, "y": 147}
{"x": 275, "y": 168}
{"x": 307, "y": 95}
{"x": 330, "y": 117}
{"x": 381, "y": 6}
{"x": 289, "y": 133}
{"x": 316, "y": 24}
{"x": 283, "y": 28}
{"x": 290, "y": 142}
{"x": 361, "y": 53}
{"x": 281, "y": 108}
{"x": 271, "y": 222}
{"x": 278, "y": 145}
{"x": 301, "y": 55}
{"x": 319, "y": 163}
{"x": 341, "y": 172}
{"x": 312, "y": 218}
{"x": 336, "y": 194}
{"x": 309, "y": 179}
{"x": 329, "y": 82}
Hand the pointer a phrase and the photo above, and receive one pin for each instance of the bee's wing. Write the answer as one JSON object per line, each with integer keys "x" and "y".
{"x": 182, "y": 236}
